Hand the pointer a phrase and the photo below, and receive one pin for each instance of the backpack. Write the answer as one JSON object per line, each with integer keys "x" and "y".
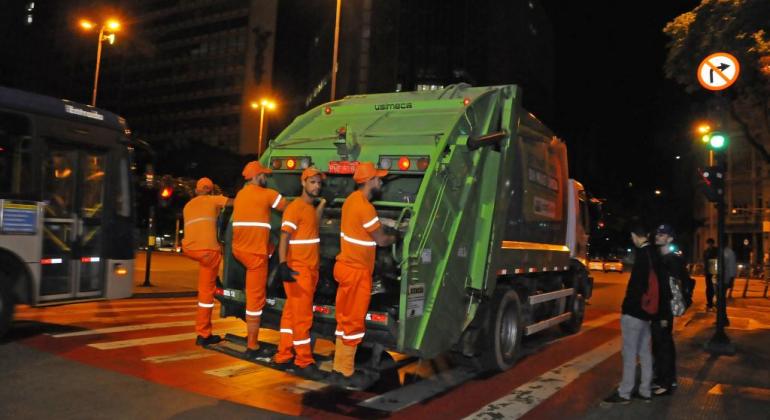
{"x": 651, "y": 297}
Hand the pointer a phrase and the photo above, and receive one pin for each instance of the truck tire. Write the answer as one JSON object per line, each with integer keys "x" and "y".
{"x": 577, "y": 305}
{"x": 503, "y": 333}
{"x": 6, "y": 305}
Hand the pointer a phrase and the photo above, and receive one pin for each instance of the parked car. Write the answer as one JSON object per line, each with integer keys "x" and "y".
{"x": 596, "y": 264}
{"x": 613, "y": 264}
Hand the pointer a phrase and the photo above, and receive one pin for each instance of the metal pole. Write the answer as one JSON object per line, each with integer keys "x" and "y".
{"x": 150, "y": 246}
{"x": 176, "y": 235}
{"x": 261, "y": 126}
{"x": 720, "y": 343}
{"x": 98, "y": 60}
{"x": 336, "y": 48}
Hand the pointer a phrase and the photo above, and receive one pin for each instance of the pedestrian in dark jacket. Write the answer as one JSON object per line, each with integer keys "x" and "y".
{"x": 635, "y": 324}
{"x": 663, "y": 349}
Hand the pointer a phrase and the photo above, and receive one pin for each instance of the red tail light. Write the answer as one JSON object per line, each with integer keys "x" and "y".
{"x": 291, "y": 163}
{"x": 404, "y": 163}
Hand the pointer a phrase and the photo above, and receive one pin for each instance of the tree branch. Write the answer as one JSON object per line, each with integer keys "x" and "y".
{"x": 747, "y": 133}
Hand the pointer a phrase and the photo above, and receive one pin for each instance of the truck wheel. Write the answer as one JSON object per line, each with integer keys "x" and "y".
{"x": 578, "y": 309}
{"x": 6, "y": 306}
{"x": 502, "y": 338}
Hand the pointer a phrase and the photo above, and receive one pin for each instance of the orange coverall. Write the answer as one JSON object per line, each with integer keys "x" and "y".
{"x": 300, "y": 222}
{"x": 200, "y": 244}
{"x": 354, "y": 267}
{"x": 251, "y": 234}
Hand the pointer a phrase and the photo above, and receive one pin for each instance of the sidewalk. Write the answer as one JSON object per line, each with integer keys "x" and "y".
{"x": 171, "y": 275}
{"x": 714, "y": 387}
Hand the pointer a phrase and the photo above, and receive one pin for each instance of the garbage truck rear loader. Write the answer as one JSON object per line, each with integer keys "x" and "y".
{"x": 492, "y": 240}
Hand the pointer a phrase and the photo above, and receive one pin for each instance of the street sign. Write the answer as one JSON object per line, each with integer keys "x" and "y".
{"x": 718, "y": 71}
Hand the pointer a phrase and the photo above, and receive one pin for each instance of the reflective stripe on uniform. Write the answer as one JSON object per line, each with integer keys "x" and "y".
{"x": 301, "y": 342}
{"x": 286, "y": 331}
{"x": 205, "y": 305}
{"x": 304, "y": 241}
{"x": 352, "y": 337}
{"x": 257, "y": 313}
{"x": 357, "y": 241}
{"x": 252, "y": 224}
{"x": 371, "y": 222}
{"x": 289, "y": 224}
{"x": 277, "y": 201}
{"x": 338, "y": 332}
{"x": 200, "y": 219}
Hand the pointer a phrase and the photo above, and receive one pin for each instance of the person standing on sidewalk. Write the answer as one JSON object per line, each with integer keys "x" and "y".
{"x": 663, "y": 349}
{"x": 298, "y": 252}
{"x": 635, "y": 323}
{"x": 200, "y": 244}
{"x": 709, "y": 254}
{"x": 251, "y": 238}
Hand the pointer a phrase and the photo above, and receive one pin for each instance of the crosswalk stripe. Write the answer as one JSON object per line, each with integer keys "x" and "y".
{"x": 528, "y": 396}
{"x": 239, "y": 369}
{"x": 135, "y": 327}
{"x": 136, "y": 342}
{"x": 175, "y": 357}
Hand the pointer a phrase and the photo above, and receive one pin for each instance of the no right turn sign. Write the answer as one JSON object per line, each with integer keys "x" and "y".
{"x": 718, "y": 71}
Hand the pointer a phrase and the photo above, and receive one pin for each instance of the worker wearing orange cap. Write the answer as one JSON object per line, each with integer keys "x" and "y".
{"x": 200, "y": 243}
{"x": 360, "y": 235}
{"x": 251, "y": 237}
{"x": 298, "y": 252}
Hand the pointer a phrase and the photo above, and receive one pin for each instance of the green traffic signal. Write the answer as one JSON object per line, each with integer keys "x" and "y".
{"x": 716, "y": 141}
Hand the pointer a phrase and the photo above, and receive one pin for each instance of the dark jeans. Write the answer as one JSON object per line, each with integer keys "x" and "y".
{"x": 663, "y": 353}
{"x": 709, "y": 291}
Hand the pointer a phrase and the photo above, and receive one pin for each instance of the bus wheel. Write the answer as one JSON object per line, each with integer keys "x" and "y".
{"x": 6, "y": 305}
{"x": 577, "y": 309}
{"x": 503, "y": 332}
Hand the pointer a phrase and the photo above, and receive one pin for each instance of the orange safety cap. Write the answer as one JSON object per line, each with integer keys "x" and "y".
{"x": 312, "y": 171}
{"x": 204, "y": 185}
{"x": 366, "y": 171}
{"x": 254, "y": 168}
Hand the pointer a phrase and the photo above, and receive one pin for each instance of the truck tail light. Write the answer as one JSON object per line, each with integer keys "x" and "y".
{"x": 422, "y": 163}
{"x": 404, "y": 163}
{"x": 291, "y": 163}
{"x": 276, "y": 163}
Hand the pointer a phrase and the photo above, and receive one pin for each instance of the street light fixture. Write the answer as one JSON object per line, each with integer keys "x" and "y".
{"x": 111, "y": 25}
{"x": 262, "y": 105}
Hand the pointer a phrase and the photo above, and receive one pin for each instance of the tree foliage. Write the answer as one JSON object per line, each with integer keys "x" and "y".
{"x": 741, "y": 28}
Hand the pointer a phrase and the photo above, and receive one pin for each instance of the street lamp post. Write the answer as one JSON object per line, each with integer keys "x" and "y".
{"x": 262, "y": 104}
{"x": 111, "y": 25}
{"x": 336, "y": 48}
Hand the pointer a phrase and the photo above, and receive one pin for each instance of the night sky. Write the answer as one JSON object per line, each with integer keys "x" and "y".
{"x": 621, "y": 118}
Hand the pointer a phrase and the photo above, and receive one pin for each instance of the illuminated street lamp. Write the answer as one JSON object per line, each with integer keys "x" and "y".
{"x": 262, "y": 105}
{"x": 110, "y": 25}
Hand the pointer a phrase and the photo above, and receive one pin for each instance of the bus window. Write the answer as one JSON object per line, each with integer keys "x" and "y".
{"x": 93, "y": 165}
{"x": 15, "y": 156}
{"x": 123, "y": 202}
{"x": 59, "y": 185}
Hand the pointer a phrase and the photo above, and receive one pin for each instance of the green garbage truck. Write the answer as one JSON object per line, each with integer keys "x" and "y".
{"x": 492, "y": 233}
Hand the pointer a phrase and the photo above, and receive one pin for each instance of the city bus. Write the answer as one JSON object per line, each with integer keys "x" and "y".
{"x": 66, "y": 203}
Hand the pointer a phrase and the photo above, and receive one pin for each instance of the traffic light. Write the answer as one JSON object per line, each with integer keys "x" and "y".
{"x": 716, "y": 141}
{"x": 165, "y": 194}
{"x": 713, "y": 183}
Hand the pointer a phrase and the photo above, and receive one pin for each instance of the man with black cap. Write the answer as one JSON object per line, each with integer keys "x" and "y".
{"x": 661, "y": 327}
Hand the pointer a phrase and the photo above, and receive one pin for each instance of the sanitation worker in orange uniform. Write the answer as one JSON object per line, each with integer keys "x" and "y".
{"x": 200, "y": 243}
{"x": 298, "y": 252}
{"x": 251, "y": 236}
{"x": 360, "y": 235}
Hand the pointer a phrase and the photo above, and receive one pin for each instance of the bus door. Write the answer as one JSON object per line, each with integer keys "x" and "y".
{"x": 73, "y": 189}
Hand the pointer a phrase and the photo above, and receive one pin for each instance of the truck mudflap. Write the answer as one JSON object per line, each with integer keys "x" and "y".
{"x": 381, "y": 327}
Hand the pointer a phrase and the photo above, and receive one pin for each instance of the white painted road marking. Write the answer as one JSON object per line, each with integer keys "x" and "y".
{"x": 135, "y": 327}
{"x": 175, "y": 357}
{"x": 121, "y": 344}
{"x": 528, "y": 396}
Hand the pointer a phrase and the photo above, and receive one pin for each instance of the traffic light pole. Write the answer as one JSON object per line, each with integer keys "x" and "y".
{"x": 720, "y": 343}
{"x": 150, "y": 246}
